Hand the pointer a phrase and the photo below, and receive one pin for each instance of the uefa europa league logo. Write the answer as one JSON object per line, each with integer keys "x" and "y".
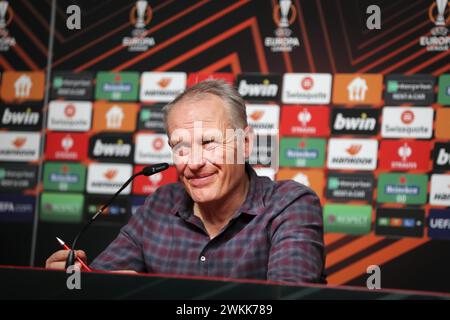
{"x": 141, "y": 14}
{"x": 3, "y": 9}
{"x": 141, "y": 7}
{"x": 441, "y": 6}
{"x": 285, "y": 6}
{"x": 284, "y": 14}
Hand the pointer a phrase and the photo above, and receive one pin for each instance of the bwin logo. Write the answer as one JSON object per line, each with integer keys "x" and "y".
{"x": 363, "y": 123}
{"x": 265, "y": 89}
{"x": 118, "y": 149}
{"x": 443, "y": 157}
{"x": 20, "y": 118}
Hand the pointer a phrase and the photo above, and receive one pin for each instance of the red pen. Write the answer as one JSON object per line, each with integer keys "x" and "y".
{"x": 65, "y": 246}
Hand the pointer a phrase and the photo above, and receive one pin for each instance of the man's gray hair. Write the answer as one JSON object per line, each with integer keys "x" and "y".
{"x": 237, "y": 115}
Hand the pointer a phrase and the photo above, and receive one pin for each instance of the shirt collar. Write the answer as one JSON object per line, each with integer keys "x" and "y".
{"x": 252, "y": 204}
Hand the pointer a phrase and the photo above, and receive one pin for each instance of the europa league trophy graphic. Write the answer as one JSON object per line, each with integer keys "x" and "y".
{"x": 285, "y": 5}
{"x": 141, "y": 7}
{"x": 3, "y": 9}
{"x": 441, "y": 6}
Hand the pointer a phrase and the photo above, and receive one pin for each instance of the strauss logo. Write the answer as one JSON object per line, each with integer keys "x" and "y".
{"x": 354, "y": 149}
{"x": 155, "y": 179}
{"x": 404, "y": 151}
{"x": 304, "y": 117}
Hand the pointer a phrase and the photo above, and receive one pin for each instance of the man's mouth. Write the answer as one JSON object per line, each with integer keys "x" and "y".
{"x": 201, "y": 179}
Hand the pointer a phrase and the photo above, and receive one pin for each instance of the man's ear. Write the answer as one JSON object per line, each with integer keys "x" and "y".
{"x": 248, "y": 141}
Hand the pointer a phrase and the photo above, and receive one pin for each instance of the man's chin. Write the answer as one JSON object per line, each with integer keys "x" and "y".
{"x": 202, "y": 195}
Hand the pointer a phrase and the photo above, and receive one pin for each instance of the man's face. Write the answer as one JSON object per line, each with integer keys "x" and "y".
{"x": 204, "y": 150}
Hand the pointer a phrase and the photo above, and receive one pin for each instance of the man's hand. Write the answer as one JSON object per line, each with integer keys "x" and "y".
{"x": 58, "y": 259}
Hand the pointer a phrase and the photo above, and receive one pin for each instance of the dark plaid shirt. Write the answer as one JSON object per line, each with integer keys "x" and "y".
{"x": 277, "y": 234}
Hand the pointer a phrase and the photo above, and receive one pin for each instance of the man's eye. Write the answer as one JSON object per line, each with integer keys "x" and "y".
{"x": 207, "y": 142}
{"x": 180, "y": 150}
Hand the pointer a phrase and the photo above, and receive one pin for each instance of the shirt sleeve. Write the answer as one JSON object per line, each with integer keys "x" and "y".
{"x": 125, "y": 252}
{"x": 297, "y": 247}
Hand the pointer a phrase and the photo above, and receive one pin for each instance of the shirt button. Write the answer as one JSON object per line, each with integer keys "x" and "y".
{"x": 202, "y": 258}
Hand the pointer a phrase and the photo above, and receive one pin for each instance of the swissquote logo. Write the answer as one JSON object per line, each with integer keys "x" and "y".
{"x": 107, "y": 178}
{"x": 306, "y": 88}
{"x": 19, "y": 146}
{"x": 407, "y": 122}
{"x": 69, "y": 115}
{"x": 352, "y": 154}
{"x": 161, "y": 86}
{"x": 257, "y": 87}
{"x": 152, "y": 148}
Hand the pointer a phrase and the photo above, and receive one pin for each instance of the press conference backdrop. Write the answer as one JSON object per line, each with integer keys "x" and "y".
{"x": 363, "y": 118}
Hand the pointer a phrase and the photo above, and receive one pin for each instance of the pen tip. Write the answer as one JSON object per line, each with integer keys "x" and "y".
{"x": 60, "y": 241}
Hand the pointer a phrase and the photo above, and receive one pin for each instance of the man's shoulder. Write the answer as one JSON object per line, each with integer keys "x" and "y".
{"x": 287, "y": 190}
{"x": 291, "y": 201}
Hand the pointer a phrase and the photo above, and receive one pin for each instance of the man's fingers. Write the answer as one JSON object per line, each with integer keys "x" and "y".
{"x": 81, "y": 254}
{"x": 60, "y": 255}
{"x": 58, "y": 259}
{"x": 56, "y": 265}
{"x": 123, "y": 271}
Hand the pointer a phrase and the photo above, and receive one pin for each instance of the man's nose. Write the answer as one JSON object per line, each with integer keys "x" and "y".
{"x": 196, "y": 160}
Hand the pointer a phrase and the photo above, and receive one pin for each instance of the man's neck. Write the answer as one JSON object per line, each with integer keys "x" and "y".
{"x": 216, "y": 215}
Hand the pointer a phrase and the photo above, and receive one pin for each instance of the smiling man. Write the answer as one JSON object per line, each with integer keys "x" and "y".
{"x": 221, "y": 219}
